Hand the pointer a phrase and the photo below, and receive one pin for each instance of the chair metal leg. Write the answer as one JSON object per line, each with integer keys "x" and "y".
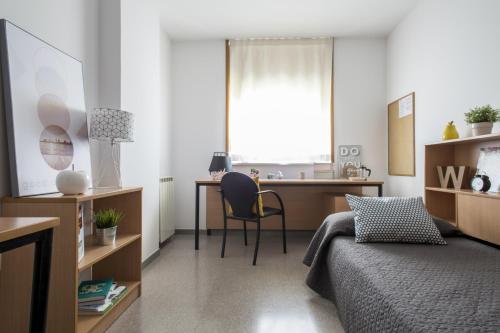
{"x": 224, "y": 238}
{"x": 256, "y": 244}
{"x": 284, "y": 231}
{"x": 245, "y": 231}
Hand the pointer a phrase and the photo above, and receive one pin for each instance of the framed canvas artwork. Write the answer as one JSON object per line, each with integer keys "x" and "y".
{"x": 489, "y": 164}
{"x": 44, "y": 105}
{"x": 349, "y": 158}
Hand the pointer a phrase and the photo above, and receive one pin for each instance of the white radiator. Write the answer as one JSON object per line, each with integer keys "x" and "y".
{"x": 167, "y": 223}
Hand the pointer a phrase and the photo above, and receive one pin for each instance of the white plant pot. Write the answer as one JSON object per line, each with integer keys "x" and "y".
{"x": 106, "y": 236}
{"x": 481, "y": 128}
{"x": 72, "y": 182}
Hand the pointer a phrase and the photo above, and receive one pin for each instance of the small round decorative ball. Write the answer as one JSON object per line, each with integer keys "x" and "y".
{"x": 72, "y": 182}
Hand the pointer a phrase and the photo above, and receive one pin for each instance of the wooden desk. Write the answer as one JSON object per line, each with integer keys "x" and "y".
{"x": 18, "y": 232}
{"x": 311, "y": 189}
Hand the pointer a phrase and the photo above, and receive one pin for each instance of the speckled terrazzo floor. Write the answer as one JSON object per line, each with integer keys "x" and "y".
{"x": 188, "y": 291}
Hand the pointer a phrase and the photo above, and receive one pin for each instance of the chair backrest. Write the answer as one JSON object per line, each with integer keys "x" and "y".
{"x": 241, "y": 192}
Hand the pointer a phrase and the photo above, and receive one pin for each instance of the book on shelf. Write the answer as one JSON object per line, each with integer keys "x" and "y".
{"x": 94, "y": 290}
{"x": 115, "y": 293}
{"x": 81, "y": 233}
{"x": 99, "y": 301}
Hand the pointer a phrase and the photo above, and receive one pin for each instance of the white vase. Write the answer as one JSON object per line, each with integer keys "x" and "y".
{"x": 72, "y": 182}
{"x": 106, "y": 236}
{"x": 481, "y": 128}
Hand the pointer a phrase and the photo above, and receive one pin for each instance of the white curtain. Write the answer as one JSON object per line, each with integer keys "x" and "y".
{"x": 279, "y": 100}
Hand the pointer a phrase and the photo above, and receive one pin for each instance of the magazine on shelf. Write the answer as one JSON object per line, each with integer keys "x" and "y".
{"x": 94, "y": 290}
{"x": 98, "y": 309}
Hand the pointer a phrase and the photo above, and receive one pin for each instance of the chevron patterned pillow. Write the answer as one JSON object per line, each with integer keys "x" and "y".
{"x": 393, "y": 219}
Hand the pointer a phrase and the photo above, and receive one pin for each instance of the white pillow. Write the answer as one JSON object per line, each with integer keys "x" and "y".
{"x": 393, "y": 219}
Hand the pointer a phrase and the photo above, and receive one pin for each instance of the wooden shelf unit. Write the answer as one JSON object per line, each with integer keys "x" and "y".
{"x": 461, "y": 207}
{"x": 121, "y": 262}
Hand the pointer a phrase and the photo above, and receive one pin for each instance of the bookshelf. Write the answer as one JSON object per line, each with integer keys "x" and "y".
{"x": 121, "y": 261}
{"x": 474, "y": 213}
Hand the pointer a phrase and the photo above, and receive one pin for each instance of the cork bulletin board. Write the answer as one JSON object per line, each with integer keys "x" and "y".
{"x": 401, "y": 127}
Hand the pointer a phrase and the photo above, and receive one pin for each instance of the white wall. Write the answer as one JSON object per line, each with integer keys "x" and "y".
{"x": 140, "y": 94}
{"x": 448, "y": 53}
{"x": 198, "y": 74}
{"x": 359, "y": 102}
{"x": 119, "y": 43}
{"x": 70, "y": 25}
{"x": 110, "y": 53}
{"x": 165, "y": 104}
{"x": 109, "y": 14}
{"x": 135, "y": 76}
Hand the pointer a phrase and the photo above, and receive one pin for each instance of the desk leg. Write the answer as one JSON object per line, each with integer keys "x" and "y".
{"x": 197, "y": 219}
{"x": 380, "y": 192}
{"x": 41, "y": 280}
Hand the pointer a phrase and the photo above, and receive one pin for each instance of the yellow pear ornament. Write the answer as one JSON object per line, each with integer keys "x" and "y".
{"x": 450, "y": 132}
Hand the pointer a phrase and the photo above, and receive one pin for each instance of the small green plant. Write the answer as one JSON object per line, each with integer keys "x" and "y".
{"x": 107, "y": 218}
{"x": 481, "y": 114}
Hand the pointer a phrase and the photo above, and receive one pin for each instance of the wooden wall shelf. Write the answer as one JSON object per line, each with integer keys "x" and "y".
{"x": 468, "y": 140}
{"x": 95, "y": 253}
{"x": 474, "y": 213}
{"x": 465, "y": 192}
{"x": 121, "y": 262}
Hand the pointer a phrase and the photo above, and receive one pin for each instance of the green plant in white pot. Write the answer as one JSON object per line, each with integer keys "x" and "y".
{"x": 481, "y": 119}
{"x": 106, "y": 223}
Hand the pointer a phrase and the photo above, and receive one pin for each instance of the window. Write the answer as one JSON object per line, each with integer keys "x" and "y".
{"x": 279, "y": 100}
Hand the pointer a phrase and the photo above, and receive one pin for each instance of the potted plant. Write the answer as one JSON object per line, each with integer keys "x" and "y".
{"x": 481, "y": 119}
{"x": 106, "y": 222}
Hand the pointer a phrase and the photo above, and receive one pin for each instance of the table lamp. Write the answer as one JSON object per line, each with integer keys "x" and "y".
{"x": 221, "y": 162}
{"x": 111, "y": 127}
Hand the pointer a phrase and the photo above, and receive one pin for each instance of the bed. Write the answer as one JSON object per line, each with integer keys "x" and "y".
{"x": 389, "y": 287}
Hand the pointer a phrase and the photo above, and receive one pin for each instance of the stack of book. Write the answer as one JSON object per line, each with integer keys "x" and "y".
{"x": 96, "y": 297}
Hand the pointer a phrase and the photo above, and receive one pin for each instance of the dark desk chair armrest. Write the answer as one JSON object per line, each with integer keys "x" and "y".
{"x": 277, "y": 197}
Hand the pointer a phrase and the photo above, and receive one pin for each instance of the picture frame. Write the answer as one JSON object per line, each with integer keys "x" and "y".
{"x": 349, "y": 156}
{"x": 45, "y": 113}
{"x": 489, "y": 164}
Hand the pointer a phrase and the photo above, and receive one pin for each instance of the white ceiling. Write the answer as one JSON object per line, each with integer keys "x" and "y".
{"x": 216, "y": 19}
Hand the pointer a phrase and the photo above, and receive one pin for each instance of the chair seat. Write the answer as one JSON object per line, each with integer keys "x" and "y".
{"x": 268, "y": 211}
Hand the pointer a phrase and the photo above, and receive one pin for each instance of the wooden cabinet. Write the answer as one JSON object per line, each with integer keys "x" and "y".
{"x": 476, "y": 214}
{"x": 121, "y": 262}
{"x": 479, "y": 217}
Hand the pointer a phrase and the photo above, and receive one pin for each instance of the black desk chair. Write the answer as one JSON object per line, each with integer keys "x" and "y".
{"x": 242, "y": 194}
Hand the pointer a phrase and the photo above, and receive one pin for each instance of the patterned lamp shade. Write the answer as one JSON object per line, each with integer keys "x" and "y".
{"x": 110, "y": 124}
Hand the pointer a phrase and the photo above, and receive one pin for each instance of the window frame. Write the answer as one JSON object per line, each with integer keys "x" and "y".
{"x": 228, "y": 102}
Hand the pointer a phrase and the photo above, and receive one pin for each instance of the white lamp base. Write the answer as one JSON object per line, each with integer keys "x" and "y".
{"x": 106, "y": 171}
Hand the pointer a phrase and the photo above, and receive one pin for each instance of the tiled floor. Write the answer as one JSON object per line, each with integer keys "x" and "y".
{"x": 188, "y": 291}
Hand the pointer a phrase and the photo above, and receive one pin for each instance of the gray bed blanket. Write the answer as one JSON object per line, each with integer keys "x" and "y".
{"x": 387, "y": 287}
